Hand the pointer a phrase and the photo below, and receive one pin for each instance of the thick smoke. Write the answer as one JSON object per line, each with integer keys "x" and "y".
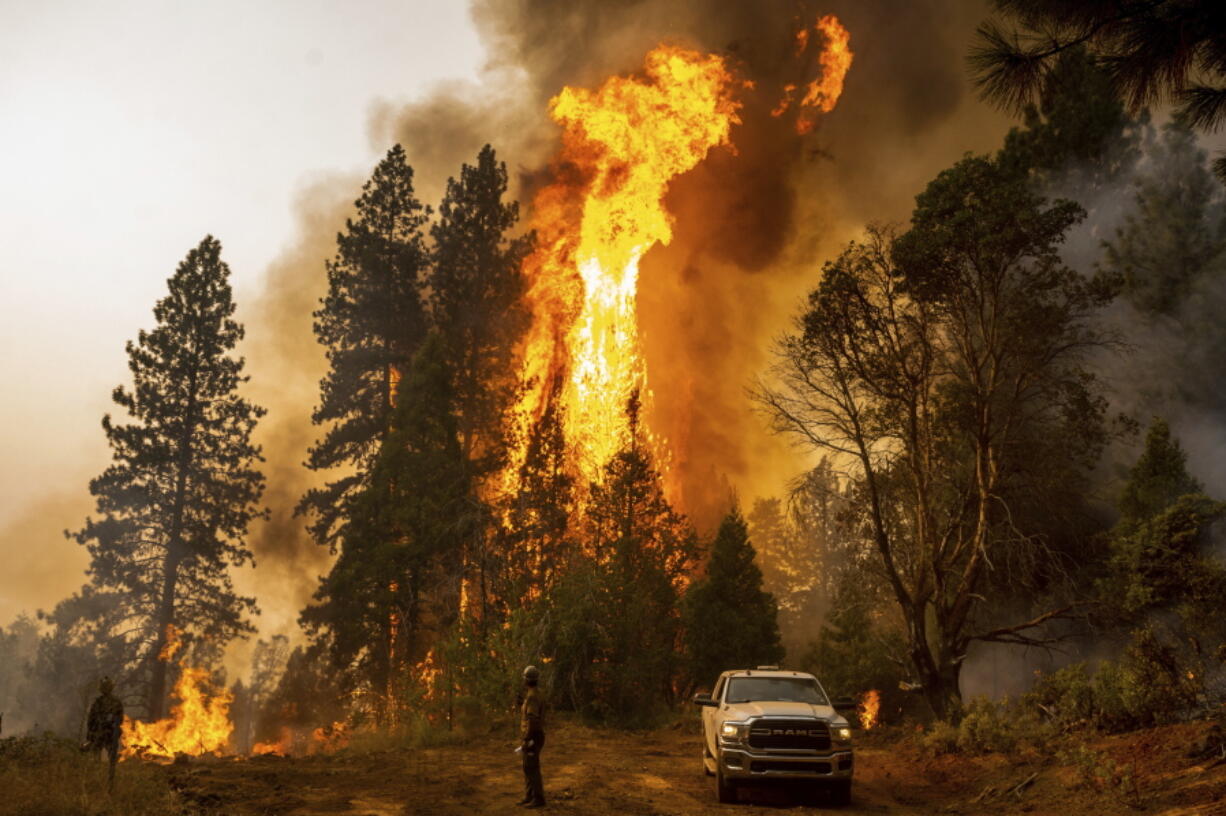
{"x": 286, "y": 364}
{"x": 752, "y": 226}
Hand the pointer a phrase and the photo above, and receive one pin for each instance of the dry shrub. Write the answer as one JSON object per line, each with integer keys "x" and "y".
{"x": 51, "y": 776}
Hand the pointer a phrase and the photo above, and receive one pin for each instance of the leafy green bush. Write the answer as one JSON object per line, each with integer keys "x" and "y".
{"x": 1151, "y": 683}
{"x": 940, "y": 738}
{"x": 1105, "y": 775}
{"x": 988, "y": 727}
{"x": 1004, "y": 727}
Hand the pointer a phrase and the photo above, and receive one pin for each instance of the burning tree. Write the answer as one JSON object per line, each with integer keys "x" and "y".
{"x": 475, "y": 296}
{"x": 176, "y": 502}
{"x": 943, "y": 367}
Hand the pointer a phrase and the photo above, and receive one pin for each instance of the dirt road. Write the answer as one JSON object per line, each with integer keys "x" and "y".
{"x": 602, "y": 773}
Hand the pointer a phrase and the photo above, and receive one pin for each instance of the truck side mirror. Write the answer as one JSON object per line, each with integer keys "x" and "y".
{"x": 843, "y": 704}
{"x": 704, "y": 700}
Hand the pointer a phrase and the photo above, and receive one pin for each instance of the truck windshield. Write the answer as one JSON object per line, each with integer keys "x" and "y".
{"x": 774, "y": 690}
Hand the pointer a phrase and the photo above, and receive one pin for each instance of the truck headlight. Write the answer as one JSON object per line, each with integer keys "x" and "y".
{"x": 842, "y": 734}
{"x": 733, "y": 731}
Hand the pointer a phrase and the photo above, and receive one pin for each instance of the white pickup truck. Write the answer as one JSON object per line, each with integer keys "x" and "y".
{"x": 767, "y": 724}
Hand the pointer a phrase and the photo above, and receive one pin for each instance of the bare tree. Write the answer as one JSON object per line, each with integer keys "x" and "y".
{"x": 935, "y": 366}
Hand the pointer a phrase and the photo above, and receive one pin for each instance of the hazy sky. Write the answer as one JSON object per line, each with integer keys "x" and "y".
{"x": 129, "y": 130}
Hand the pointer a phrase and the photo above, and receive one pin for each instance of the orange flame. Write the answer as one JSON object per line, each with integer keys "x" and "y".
{"x": 171, "y": 645}
{"x": 199, "y": 722}
{"x": 822, "y": 93}
{"x": 622, "y": 145}
{"x": 323, "y": 740}
{"x": 870, "y": 707}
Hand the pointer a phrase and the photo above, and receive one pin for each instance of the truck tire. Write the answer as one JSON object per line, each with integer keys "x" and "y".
{"x": 725, "y": 789}
{"x": 840, "y": 793}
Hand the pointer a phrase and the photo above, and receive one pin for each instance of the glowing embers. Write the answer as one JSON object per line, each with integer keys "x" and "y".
{"x": 303, "y": 742}
{"x": 821, "y": 93}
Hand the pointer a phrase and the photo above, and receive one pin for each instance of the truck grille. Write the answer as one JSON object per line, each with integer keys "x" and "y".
{"x": 761, "y": 766}
{"x": 790, "y": 735}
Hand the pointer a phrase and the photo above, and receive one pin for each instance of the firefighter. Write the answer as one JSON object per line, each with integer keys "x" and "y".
{"x": 532, "y": 739}
{"x": 105, "y": 726}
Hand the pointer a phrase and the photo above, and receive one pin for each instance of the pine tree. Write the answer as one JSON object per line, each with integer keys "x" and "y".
{"x": 730, "y": 621}
{"x": 475, "y": 306}
{"x": 1155, "y": 51}
{"x": 1176, "y": 232}
{"x": 475, "y": 302}
{"x": 402, "y": 531}
{"x": 537, "y": 544}
{"x": 1159, "y": 477}
{"x": 175, "y": 504}
{"x": 371, "y": 322}
{"x": 640, "y": 549}
{"x": 1077, "y": 135}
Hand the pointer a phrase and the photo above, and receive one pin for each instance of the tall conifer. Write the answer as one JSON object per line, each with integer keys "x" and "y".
{"x": 175, "y": 503}
{"x": 371, "y": 322}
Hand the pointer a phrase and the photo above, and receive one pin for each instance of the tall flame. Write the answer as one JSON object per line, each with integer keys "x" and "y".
{"x": 199, "y": 722}
{"x": 622, "y": 145}
{"x": 870, "y": 709}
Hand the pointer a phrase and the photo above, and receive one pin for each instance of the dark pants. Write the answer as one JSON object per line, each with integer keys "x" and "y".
{"x": 534, "y": 788}
{"x": 111, "y": 746}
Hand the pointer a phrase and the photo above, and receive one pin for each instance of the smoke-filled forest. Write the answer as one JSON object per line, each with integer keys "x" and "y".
{"x": 880, "y": 344}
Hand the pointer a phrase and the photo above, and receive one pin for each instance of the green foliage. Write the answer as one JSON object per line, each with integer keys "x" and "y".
{"x": 413, "y": 515}
{"x": 1152, "y": 682}
{"x": 859, "y": 647}
{"x": 420, "y": 340}
{"x": 475, "y": 288}
{"x": 1175, "y": 234}
{"x": 176, "y": 502}
{"x": 612, "y": 625}
{"x": 988, "y": 727}
{"x": 1159, "y": 477}
{"x": 371, "y": 322}
{"x": 1001, "y": 727}
{"x": 948, "y": 367}
{"x": 728, "y": 620}
{"x": 1160, "y": 563}
{"x": 1078, "y": 134}
{"x": 1154, "y": 51}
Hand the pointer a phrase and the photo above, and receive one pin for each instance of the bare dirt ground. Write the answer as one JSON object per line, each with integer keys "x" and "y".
{"x": 601, "y": 773}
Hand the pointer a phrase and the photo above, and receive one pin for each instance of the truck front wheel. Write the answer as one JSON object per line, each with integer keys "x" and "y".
{"x": 725, "y": 788}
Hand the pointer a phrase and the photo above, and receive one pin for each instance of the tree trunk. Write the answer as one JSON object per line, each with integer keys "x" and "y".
{"x": 174, "y": 554}
{"x": 943, "y": 695}
{"x": 165, "y": 618}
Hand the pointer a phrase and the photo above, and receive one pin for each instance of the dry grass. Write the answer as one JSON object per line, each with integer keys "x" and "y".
{"x": 50, "y": 776}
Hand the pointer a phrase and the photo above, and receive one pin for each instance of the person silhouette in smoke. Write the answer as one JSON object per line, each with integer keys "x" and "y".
{"x": 532, "y": 739}
{"x": 104, "y": 727}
